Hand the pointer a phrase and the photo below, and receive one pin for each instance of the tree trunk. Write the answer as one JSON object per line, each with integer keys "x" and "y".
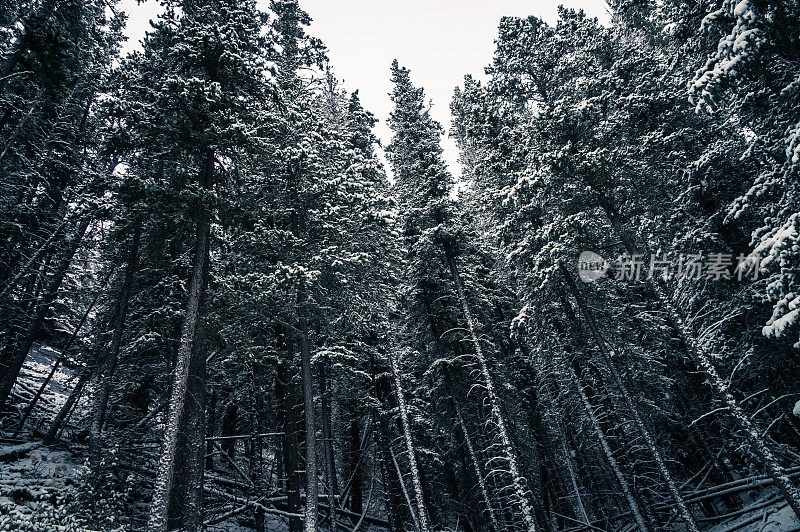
{"x": 228, "y": 427}
{"x": 404, "y": 490}
{"x": 109, "y": 364}
{"x": 186, "y": 500}
{"x": 66, "y": 408}
{"x": 312, "y": 493}
{"x": 477, "y": 467}
{"x": 256, "y": 444}
{"x": 289, "y": 441}
{"x": 157, "y": 521}
{"x": 356, "y": 499}
{"x": 568, "y": 462}
{"x": 392, "y": 499}
{"x": 683, "y": 510}
{"x": 626, "y": 489}
{"x": 17, "y": 349}
{"x": 412, "y": 459}
{"x": 211, "y": 423}
{"x": 494, "y": 400}
{"x": 327, "y": 434}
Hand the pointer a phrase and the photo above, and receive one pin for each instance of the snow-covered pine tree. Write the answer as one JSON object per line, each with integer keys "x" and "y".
{"x": 424, "y": 184}
{"x": 207, "y": 58}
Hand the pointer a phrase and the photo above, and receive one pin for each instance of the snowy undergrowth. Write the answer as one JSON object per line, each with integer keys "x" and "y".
{"x": 37, "y": 366}
{"x": 36, "y": 490}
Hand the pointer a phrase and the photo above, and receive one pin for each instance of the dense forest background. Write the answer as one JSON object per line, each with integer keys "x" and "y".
{"x": 218, "y": 312}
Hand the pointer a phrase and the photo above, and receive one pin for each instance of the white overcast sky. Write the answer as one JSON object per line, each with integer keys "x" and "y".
{"x": 439, "y": 40}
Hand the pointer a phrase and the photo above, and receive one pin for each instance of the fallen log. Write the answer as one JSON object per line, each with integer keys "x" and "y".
{"x": 244, "y": 436}
{"x": 744, "y": 511}
{"x": 754, "y": 519}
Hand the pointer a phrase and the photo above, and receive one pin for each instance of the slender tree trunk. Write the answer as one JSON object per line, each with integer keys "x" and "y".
{"x": 477, "y": 467}
{"x": 18, "y": 348}
{"x": 186, "y": 500}
{"x": 109, "y": 364}
{"x": 211, "y": 423}
{"x": 63, "y": 355}
{"x": 312, "y": 493}
{"x": 356, "y": 498}
{"x": 494, "y": 400}
{"x": 381, "y": 389}
{"x": 69, "y": 404}
{"x": 412, "y": 458}
{"x": 228, "y": 427}
{"x": 404, "y": 489}
{"x": 256, "y": 444}
{"x": 157, "y": 521}
{"x": 581, "y": 509}
{"x": 626, "y": 489}
{"x": 392, "y": 500}
{"x": 327, "y": 435}
{"x": 757, "y": 445}
{"x": 289, "y": 443}
{"x": 547, "y": 388}
{"x": 683, "y": 510}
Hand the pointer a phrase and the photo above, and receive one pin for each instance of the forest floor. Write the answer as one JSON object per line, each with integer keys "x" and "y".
{"x": 776, "y": 518}
{"x": 37, "y": 482}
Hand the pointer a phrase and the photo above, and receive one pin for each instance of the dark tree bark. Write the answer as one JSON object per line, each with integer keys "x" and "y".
{"x": 422, "y": 515}
{"x": 157, "y": 520}
{"x": 186, "y": 500}
{"x": 312, "y": 487}
{"x": 256, "y": 444}
{"x": 109, "y": 363}
{"x": 229, "y": 427}
{"x": 290, "y": 445}
{"x": 393, "y": 498}
{"x": 211, "y": 422}
{"x": 356, "y": 499}
{"x": 331, "y": 476}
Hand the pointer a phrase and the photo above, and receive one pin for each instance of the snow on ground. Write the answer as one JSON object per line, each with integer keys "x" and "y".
{"x": 37, "y": 367}
{"x": 783, "y": 520}
{"x": 33, "y": 488}
{"x": 776, "y": 518}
